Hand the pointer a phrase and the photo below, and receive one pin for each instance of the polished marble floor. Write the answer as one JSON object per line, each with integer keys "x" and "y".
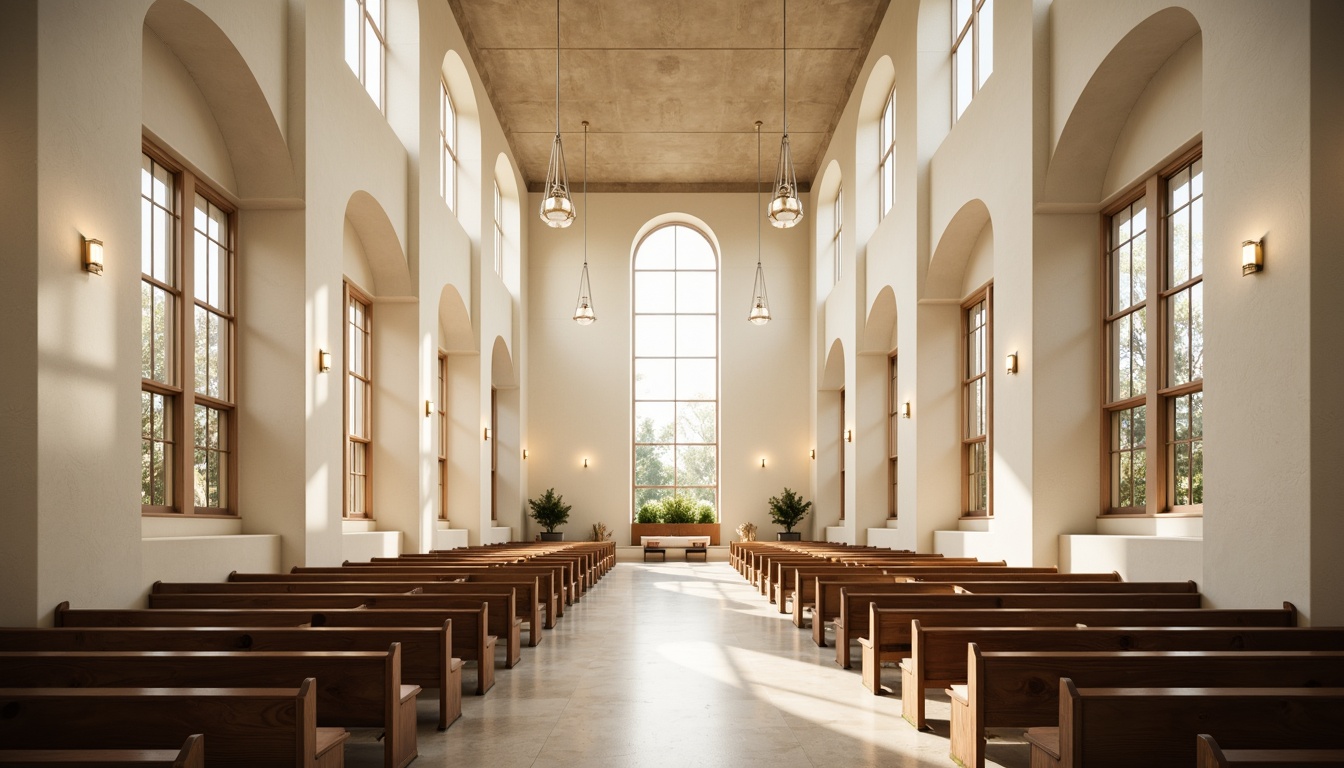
{"x": 679, "y": 664}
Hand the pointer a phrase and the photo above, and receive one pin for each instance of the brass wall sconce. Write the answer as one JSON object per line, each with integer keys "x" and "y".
{"x": 1252, "y": 257}
{"x": 1011, "y": 363}
{"x": 93, "y": 256}
{"x": 323, "y": 361}
{"x": 905, "y": 410}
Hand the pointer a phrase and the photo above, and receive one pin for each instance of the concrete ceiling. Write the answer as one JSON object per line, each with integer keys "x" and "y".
{"x": 672, "y": 89}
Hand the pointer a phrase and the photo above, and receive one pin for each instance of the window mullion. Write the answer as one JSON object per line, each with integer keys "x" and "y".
{"x": 1155, "y": 425}
{"x": 185, "y": 428}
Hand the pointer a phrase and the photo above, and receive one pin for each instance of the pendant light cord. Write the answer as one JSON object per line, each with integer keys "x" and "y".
{"x": 585, "y": 196}
{"x": 786, "y": 67}
{"x": 557, "y": 67}
{"x": 758, "y": 194}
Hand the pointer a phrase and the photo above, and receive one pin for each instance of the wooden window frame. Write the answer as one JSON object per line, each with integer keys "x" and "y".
{"x": 985, "y": 294}
{"x": 179, "y": 391}
{"x": 886, "y": 156}
{"x": 351, "y": 293}
{"x": 968, "y": 33}
{"x": 1158, "y": 398}
{"x": 448, "y": 147}
{"x": 442, "y": 415}
{"x": 717, "y": 400}
{"x": 893, "y": 417}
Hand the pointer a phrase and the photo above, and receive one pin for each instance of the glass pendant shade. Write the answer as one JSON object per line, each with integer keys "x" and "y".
{"x": 583, "y": 312}
{"x": 760, "y": 301}
{"x": 557, "y": 210}
{"x": 785, "y": 209}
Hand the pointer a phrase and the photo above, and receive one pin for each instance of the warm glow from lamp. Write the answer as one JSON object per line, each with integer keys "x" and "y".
{"x": 1011, "y": 363}
{"x": 93, "y": 256}
{"x": 323, "y": 361}
{"x": 1252, "y": 257}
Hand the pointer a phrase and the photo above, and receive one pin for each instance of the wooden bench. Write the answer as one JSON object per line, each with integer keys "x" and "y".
{"x": 563, "y": 578}
{"x": 191, "y": 755}
{"x": 1097, "y": 726}
{"x": 937, "y": 655}
{"x": 1064, "y": 587}
{"x": 854, "y": 620}
{"x": 893, "y": 625}
{"x": 652, "y": 548}
{"x": 827, "y": 590}
{"x": 552, "y": 602}
{"x": 426, "y": 652}
{"x": 1020, "y": 689}
{"x": 354, "y": 688}
{"x": 472, "y": 640}
{"x": 243, "y": 727}
{"x": 503, "y": 620}
{"x": 1210, "y": 755}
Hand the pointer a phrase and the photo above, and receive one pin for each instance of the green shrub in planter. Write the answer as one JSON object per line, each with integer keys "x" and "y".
{"x": 679, "y": 509}
{"x": 788, "y": 509}
{"x": 651, "y": 512}
{"x": 550, "y": 510}
{"x": 706, "y": 516}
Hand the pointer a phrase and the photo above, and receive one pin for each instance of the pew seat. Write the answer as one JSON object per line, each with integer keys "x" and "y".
{"x": 1210, "y": 755}
{"x": 191, "y": 755}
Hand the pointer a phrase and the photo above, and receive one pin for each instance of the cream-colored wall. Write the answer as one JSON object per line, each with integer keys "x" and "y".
{"x": 578, "y": 385}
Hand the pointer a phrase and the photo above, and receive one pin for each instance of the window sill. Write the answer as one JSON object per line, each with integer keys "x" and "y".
{"x": 1145, "y": 515}
{"x": 193, "y": 515}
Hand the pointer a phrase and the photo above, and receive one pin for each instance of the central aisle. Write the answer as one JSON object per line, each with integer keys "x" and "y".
{"x": 679, "y": 664}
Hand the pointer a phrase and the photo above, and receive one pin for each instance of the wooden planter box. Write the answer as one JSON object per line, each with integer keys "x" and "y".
{"x": 674, "y": 529}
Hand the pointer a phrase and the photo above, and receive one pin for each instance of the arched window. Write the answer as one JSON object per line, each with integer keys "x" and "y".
{"x": 676, "y": 303}
{"x": 886, "y": 156}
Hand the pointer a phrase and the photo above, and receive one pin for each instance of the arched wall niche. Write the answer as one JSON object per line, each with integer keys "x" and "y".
{"x": 947, "y": 267}
{"x": 469, "y": 161}
{"x": 261, "y": 162}
{"x": 455, "y": 332}
{"x": 879, "y": 331}
{"x": 382, "y": 250}
{"x": 502, "y": 375}
{"x": 1082, "y": 156}
{"x": 867, "y": 152}
{"x": 833, "y": 374}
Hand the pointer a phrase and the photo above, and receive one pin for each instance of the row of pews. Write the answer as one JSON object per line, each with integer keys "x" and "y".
{"x": 1099, "y": 671}
{"x": 271, "y": 669}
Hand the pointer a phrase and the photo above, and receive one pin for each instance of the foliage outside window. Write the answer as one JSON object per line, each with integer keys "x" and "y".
{"x": 366, "y": 45}
{"x": 886, "y": 157}
{"x": 358, "y": 404}
{"x": 187, "y": 399}
{"x": 1155, "y": 411}
{"x": 675, "y": 367}
{"x": 976, "y": 396}
{"x": 972, "y": 50}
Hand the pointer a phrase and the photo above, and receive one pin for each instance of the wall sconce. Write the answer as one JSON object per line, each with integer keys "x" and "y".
{"x": 487, "y": 434}
{"x": 429, "y": 407}
{"x": 905, "y": 410}
{"x": 813, "y": 454}
{"x": 323, "y": 361}
{"x": 93, "y": 256}
{"x": 1012, "y": 363}
{"x": 585, "y": 463}
{"x": 762, "y": 463}
{"x": 849, "y": 435}
{"x": 1252, "y": 258}
{"x": 524, "y": 454}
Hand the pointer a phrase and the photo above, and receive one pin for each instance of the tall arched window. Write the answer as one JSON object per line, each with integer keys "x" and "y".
{"x": 676, "y": 351}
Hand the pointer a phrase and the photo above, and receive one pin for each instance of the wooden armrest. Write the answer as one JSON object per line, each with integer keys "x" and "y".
{"x": 959, "y": 693}
{"x": 866, "y": 642}
{"x": 908, "y": 664}
{"x": 409, "y": 692}
{"x": 330, "y": 738}
{"x": 1045, "y": 739}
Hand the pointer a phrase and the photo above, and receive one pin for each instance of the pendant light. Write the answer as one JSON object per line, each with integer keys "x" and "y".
{"x": 760, "y": 300}
{"x": 786, "y": 209}
{"x": 557, "y": 210}
{"x": 583, "y": 313}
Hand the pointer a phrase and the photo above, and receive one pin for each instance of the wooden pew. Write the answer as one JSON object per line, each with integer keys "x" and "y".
{"x": 191, "y": 755}
{"x": 784, "y": 580}
{"x": 503, "y": 620}
{"x": 937, "y": 655}
{"x": 1020, "y": 689}
{"x": 562, "y": 574}
{"x": 551, "y": 600}
{"x": 243, "y": 727}
{"x": 426, "y": 652}
{"x": 525, "y": 592}
{"x": 826, "y": 596}
{"x": 1063, "y": 587}
{"x": 854, "y": 619}
{"x": 1097, "y": 726}
{"x": 1210, "y": 755}
{"x": 354, "y": 688}
{"x": 894, "y": 624}
{"x": 472, "y": 640}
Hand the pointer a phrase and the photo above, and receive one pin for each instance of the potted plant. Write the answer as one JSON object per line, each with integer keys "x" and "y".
{"x": 788, "y": 509}
{"x": 550, "y": 511}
